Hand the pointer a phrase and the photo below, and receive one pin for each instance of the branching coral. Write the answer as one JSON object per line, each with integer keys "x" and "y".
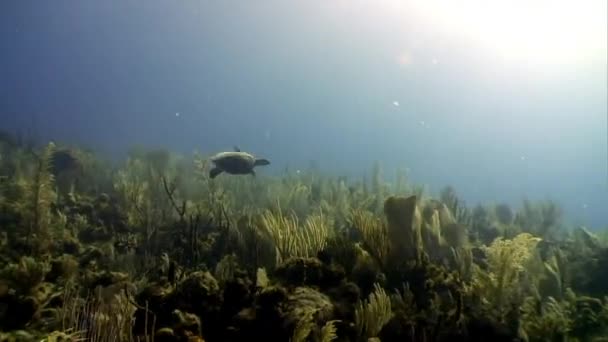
{"x": 506, "y": 260}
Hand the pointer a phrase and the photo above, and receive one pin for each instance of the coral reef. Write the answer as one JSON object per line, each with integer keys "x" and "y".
{"x": 153, "y": 249}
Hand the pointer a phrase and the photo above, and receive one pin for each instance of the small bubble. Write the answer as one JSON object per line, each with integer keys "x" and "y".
{"x": 396, "y": 103}
{"x": 177, "y": 114}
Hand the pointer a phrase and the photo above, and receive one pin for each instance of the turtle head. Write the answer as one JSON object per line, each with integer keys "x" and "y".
{"x": 261, "y": 162}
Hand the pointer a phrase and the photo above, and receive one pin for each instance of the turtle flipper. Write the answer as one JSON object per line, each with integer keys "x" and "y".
{"x": 214, "y": 172}
{"x": 261, "y": 162}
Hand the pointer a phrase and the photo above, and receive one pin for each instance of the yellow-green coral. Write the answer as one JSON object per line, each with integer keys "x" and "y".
{"x": 25, "y": 275}
{"x": 374, "y": 233}
{"x": 33, "y": 195}
{"x": 133, "y": 188}
{"x": 292, "y": 239}
{"x": 507, "y": 260}
{"x": 304, "y": 326}
{"x": 548, "y": 321}
{"x": 96, "y": 318}
{"x": 329, "y": 331}
{"x": 371, "y": 315}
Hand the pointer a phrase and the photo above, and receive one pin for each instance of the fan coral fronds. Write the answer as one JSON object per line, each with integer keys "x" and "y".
{"x": 293, "y": 240}
{"x": 329, "y": 331}
{"x": 371, "y": 315}
{"x": 374, "y": 233}
{"x": 304, "y": 326}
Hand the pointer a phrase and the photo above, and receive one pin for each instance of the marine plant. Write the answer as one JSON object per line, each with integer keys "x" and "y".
{"x": 541, "y": 218}
{"x": 133, "y": 188}
{"x": 576, "y": 318}
{"x": 501, "y": 284}
{"x": 165, "y": 252}
{"x": 303, "y": 327}
{"x": 94, "y": 318}
{"x": 456, "y": 206}
{"x": 548, "y": 320}
{"x": 24, "y": 276}
{"x": 374, "y": 234}
{"x": 292, "y": 239}
{"x": 37, "y": 195}
{"x": 372, "y": 314}
{"x": 329, "y": 331}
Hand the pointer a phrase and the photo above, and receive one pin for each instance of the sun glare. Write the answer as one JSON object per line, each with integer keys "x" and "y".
{"x": 536, "y": 31}
{"x": 545, "y": 32}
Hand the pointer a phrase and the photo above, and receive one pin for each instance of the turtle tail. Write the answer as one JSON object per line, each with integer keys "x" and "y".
{"x": 214, "y": 172}
{"x": 261, "y": 162}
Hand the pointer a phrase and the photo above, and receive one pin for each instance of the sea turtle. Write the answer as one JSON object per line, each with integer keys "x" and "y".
{"x": 235, "y": 163}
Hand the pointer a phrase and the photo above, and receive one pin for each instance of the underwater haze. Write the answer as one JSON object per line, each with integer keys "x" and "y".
{"x": 500, "y": 101}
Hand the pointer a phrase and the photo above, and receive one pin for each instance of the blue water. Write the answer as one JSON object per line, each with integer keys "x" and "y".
{"x": 296, "y": 81}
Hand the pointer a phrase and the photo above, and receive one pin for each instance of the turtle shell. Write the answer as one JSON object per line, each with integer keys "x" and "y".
{"x": 234, "y": 162}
